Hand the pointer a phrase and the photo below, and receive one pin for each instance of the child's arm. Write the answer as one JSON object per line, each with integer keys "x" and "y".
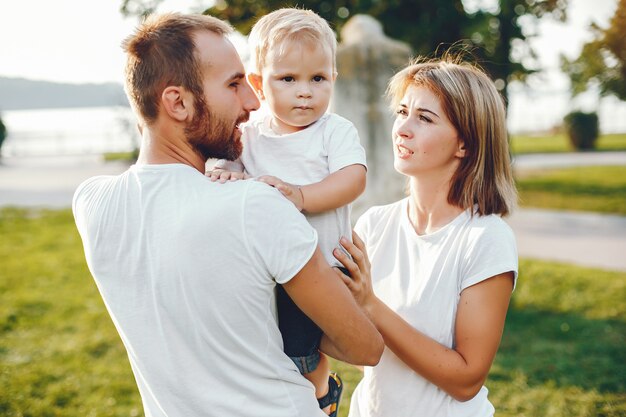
{"x": 336, "y": 190}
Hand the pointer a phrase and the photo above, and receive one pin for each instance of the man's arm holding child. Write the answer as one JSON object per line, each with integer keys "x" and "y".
{"x": 324, "y": 298}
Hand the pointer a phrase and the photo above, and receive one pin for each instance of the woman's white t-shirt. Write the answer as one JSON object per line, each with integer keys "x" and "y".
{"x": 421, "y": 278}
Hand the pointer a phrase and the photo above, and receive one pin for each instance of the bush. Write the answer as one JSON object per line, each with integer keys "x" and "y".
{"x": 582, "y": 129}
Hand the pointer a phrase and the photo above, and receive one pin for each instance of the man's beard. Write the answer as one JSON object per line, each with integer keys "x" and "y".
{"x": 212, "y": 136}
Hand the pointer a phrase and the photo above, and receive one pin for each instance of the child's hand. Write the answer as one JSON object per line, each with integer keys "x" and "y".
{"x": 222, "y": 175}
{"x": 292, "y": 192}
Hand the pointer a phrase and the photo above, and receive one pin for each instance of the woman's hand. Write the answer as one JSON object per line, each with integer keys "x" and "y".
{"x": 360, "y": 284}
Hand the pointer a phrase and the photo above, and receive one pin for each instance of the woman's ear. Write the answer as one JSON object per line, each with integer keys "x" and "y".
{"x": 256, "y": 81}
{"x": 460, "y": 152}
{"x": 176, "y": 103}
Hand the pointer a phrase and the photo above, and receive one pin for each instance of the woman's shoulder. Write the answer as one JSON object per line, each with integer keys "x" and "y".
{"x": 385, "y": 210}
{"x": 491, "y": 226}
{"x": 381, "y": 216}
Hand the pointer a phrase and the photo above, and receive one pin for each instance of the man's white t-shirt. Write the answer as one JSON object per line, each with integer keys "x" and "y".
{"x": 421, "y": 278}
{"x": 187, "y": 270}
{"x": 305, "y": 157}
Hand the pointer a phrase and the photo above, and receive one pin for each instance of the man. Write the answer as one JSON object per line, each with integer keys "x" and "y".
{"x": 187, "y": 267}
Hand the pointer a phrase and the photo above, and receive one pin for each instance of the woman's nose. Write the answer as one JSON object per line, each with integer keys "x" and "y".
{"x": 401, "y": 127}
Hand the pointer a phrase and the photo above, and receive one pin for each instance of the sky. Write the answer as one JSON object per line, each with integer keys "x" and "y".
{"x": 78, "y": 41}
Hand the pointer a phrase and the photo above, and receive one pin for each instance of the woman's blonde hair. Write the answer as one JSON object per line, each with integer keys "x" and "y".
{"x": 273, "y": 31}
{"x": 476, "y": 109}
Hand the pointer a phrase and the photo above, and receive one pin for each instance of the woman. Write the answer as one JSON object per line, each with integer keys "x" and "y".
{"x": 443, "y": 262}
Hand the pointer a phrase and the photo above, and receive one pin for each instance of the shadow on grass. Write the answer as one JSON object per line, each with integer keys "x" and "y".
{"x": 564, "y": 349}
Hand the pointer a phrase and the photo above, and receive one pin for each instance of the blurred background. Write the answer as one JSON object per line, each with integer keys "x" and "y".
{"x": 561, "y": 66}
{"x": 66, "y": 54}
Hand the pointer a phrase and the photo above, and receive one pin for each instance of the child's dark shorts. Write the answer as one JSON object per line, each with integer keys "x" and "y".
{"x": 301, "y": 337}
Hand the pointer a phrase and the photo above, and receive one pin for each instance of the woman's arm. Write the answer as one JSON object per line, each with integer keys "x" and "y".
{"x": 460, "y": 371}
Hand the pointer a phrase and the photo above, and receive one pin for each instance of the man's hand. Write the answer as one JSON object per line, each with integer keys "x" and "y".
{"x": 292, "y": 192}
{"x": 222, "y": 175}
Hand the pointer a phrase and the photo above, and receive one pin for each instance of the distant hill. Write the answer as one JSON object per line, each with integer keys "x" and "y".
{"x": 22, "y": 94}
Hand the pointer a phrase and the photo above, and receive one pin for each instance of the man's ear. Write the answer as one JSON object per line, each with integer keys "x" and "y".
{"x": 176, "y": 103}
{"x": 256, "y": 81}
{"x": 460, "y": 152}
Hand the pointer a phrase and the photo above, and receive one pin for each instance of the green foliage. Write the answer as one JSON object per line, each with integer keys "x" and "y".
{"x": 559, "y": 142}
{"x": 582, "y": 129}
{"x": 429, "y": 26}
{"x": 602, "y": 61}
{"x": 139, "y": 8}
{"x": 600, "y": 189}
{"x": 561, "y": 353}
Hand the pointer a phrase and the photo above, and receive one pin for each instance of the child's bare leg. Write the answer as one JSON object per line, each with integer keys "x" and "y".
{"x": 319, "y": 379}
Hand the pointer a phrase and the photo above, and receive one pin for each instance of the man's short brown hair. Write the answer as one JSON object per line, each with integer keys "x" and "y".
{"x": 161, "y": 53}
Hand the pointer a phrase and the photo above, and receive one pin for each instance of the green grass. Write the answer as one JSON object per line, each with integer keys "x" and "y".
{"x": 130, "y": 156}
{"x": 560, "y": 143}
{"x": 597, "y": 188}
{"x": 562, "y": 353}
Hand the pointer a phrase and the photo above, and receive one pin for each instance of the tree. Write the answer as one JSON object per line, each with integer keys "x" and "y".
{"x": 602, "y": 61}
{"x": 430, "y": 26}
{"x": 502, "y": 37}
{"x": 3, "y": 133}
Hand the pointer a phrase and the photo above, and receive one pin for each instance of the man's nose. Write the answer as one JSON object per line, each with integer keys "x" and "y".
{"x": 249, "y": 99}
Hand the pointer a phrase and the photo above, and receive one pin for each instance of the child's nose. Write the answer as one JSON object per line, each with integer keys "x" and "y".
{"x": 304, "y": 92}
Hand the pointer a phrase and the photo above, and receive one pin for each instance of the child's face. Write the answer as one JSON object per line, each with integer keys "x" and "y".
{"x": 297, "y": 85}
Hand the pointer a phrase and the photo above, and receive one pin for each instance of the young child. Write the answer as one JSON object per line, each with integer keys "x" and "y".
{"x": 314, "y": 158}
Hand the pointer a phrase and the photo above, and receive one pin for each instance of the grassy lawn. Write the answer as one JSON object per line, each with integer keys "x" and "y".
{"x": 560, "y": 143}
{"x": 562, "y": 352}
{"x": 600, "y": 189}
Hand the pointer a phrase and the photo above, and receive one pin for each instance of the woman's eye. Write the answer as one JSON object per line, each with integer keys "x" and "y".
{"x": 401, "y": 112}
{"x": 425, "y": 119}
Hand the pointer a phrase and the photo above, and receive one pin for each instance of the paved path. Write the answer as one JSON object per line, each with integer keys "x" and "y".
{"x": 561, "y": 160}
{"x": 584, "y": 239}
{"x": 49, "y": 182}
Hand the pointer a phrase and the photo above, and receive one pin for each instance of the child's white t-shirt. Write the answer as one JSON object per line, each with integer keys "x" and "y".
{"x": 304, "y": 157}
{"x": 421, "y": 278}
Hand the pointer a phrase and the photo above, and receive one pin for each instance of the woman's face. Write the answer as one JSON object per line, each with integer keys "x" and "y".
{"x": 425, "y": 141}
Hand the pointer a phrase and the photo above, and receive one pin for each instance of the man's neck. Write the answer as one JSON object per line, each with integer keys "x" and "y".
{"x": 158, "y": 147}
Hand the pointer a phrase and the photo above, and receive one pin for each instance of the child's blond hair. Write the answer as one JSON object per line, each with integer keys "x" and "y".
{"x": 288, "y": 24}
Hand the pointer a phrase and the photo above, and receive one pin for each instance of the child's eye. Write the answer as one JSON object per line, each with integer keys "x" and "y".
{"x": 318, "y": 78}
{"x": 288, "y": 79}
{"x": 234, "y": 85}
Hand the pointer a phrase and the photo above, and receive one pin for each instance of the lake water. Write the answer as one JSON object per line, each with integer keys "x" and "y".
{"x": 75, "y": 131}
{"x": 48, "y": 132}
